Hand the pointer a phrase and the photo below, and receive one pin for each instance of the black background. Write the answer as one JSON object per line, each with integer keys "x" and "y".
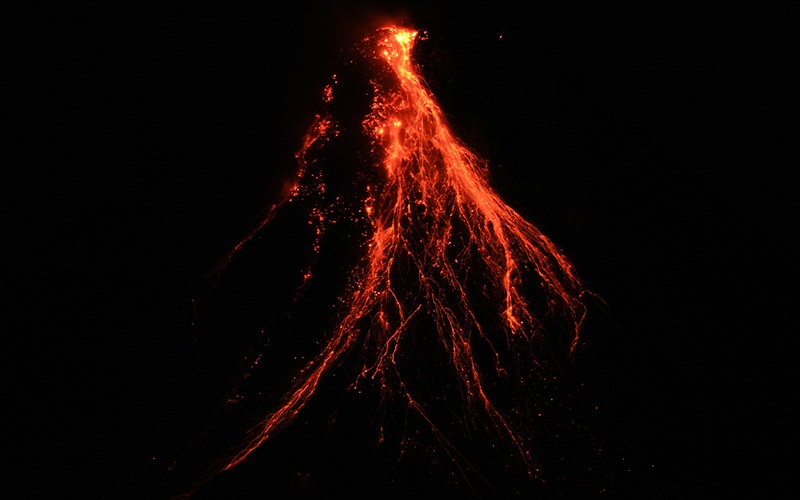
{"x": 645, "y": 141}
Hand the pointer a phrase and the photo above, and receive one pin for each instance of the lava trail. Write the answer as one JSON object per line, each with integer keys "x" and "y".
{"x": 443, "y": 264}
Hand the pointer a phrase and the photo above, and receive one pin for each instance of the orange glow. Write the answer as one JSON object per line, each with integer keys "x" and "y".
{"x": 435, "y": 221}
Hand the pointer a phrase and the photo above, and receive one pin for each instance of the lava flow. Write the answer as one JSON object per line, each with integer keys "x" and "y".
{"x": 442, "y": 257}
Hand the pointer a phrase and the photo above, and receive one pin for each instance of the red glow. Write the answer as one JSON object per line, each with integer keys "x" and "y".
{"x": 434, "y": 224}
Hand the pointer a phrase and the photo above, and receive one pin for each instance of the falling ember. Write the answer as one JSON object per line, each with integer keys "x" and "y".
{"x": 441, "y": 257}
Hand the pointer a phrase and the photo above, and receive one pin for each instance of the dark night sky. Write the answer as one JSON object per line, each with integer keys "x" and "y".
{"x": 645, "y": 142}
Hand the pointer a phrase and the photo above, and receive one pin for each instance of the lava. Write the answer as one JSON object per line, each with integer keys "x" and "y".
{"x": 441, "y": 255}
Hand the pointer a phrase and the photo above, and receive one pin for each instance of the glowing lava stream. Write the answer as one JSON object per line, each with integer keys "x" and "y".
{"x": 435, "y": 223}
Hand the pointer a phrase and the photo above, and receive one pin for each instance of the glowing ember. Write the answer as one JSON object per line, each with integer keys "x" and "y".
{"x": 441, "y": 253}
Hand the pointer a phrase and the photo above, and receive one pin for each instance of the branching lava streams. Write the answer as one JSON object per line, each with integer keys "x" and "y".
{"x": 441, "y": 251}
